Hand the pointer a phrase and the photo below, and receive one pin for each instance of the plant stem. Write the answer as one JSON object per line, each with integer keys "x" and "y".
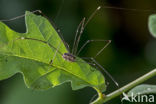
{"x": 102, "y": 99}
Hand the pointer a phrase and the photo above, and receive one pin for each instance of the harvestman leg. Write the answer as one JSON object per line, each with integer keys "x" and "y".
{"x": 58, "y": 31}
{"x": 93, "y": 58}
{"x": 89, "y": 41}
{"x": 55, "y": 53}
{"x": 82, "y": 25}
{"x": 57, "y": 49}
{"x": 78, "y": 38}
{"x": 51, "y": 46}
{"x": 96, "y": 63}
{"x": 21, "y": 16}
{"x": 60, "y": 9}
{"x": 24, "y": 38}
{"x": 77, "y": 32}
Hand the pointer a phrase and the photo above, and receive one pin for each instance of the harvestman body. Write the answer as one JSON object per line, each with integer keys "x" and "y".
{"x": 71, "y": 57}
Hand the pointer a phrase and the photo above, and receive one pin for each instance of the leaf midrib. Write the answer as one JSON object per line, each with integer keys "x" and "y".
{"x": 58, "y": 67}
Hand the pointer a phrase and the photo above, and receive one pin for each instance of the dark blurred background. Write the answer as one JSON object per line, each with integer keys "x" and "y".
{"x": 130, "y": 55}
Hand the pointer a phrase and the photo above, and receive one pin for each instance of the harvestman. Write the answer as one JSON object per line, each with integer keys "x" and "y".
{"x": 71, "y": 56}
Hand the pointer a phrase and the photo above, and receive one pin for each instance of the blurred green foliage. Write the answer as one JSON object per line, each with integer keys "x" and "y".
{"x": 131, "y": 54}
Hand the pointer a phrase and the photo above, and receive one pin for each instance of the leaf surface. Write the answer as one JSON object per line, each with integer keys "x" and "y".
{"x": 30, "y": 54}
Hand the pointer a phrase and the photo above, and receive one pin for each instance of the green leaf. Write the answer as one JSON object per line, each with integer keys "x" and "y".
{"x": 152, "y": 25}
{"x": 30, "y": 57}
{"x": 143, "y": 89}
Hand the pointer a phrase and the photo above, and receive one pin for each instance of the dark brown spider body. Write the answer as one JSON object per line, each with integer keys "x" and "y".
{"x": 69, "y": 57}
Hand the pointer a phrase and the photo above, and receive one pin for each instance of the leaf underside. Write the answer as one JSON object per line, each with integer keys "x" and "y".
{"x": 143, "y": 89}
{"x": 31, "y": 58}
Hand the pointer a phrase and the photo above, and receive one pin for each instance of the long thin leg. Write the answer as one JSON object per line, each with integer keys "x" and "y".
{"x": 83, "y": 25}
{"x": 87, "y": 42}
{"x": 105, "y": 72}
{"x": 92, "y": 15}
{"x": 78, "y": 39}
{"x": 108, "y": 42}
{"x": 21, "y": 16}
{"x": 96, "y": 63}
{"x": 59, "y": 10}
{"x": 56, "y": 51}
{"x": 77, "y": 32}
{"x": 90, "y": 63}
{"x": 128, "y": 9}
{"x": 51, "y": 46}
{"x": 61, "y": 36}
{"x": 58, "y": 31}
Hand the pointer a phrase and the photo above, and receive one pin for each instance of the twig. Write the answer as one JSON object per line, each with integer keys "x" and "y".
{"x": 104, "y": 98}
